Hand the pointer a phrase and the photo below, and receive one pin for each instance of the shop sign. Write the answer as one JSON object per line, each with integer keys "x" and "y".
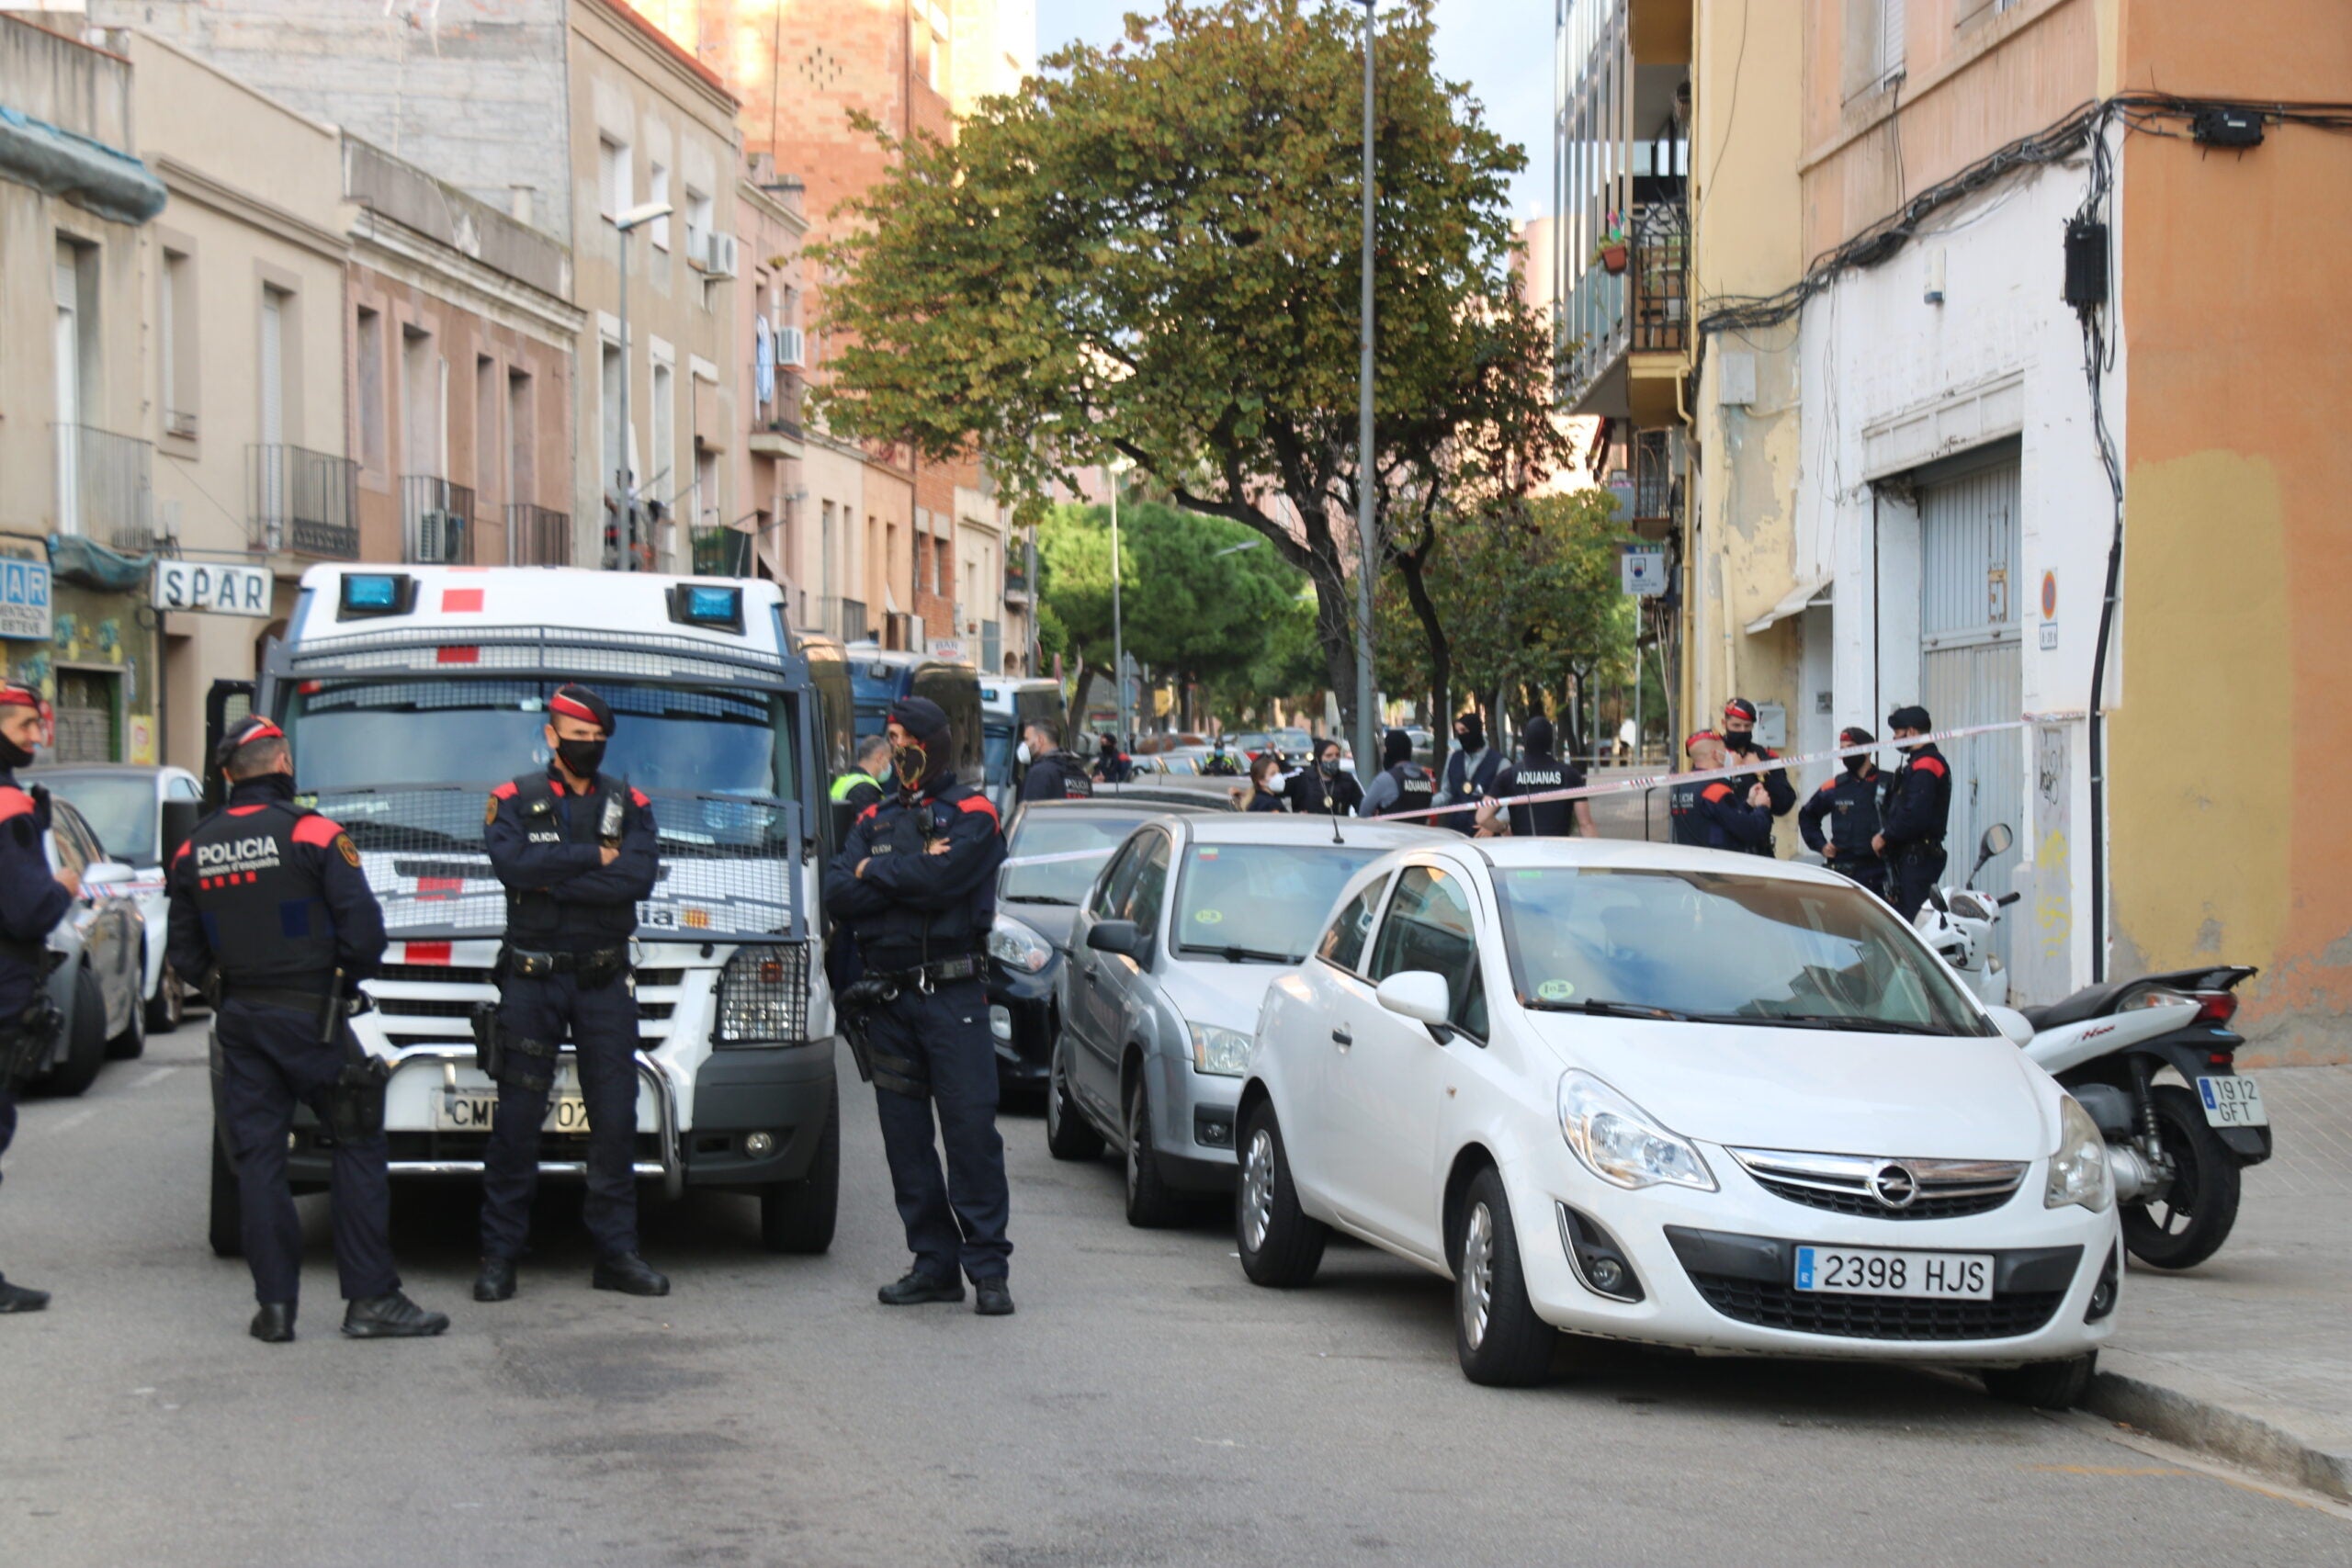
{"x": 24, "y": 600}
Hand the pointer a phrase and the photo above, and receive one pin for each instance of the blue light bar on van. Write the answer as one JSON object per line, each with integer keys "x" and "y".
{"x": 366, "y": 594}
{"x": 703, "y": 605}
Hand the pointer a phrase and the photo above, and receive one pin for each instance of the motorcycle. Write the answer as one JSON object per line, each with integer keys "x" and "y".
{"x": 2175, "y": 1150}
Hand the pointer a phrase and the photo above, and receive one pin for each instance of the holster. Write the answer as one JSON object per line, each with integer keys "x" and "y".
{"x": 25, "y": 1042}
{"x": 355, "y": 1107}
{"x": 489, "y": 1054}
{"x": 855, "y": 1007}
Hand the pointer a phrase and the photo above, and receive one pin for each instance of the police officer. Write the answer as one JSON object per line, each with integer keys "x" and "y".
{"x": 271, "y": 915}
{"x": 916, "y": 881}
{"x": 1538, "y": 771}
{"x": 1054, "y": 774}
{"x": 1682, "y": 797}
{"x": 32, "y": 901}
{"x": 1469, "y": 773}
{"x": 576, "y": 850}
{"x": 1918, "y": 805}
{"x": 1113, "y": 765}
{"x": 1740, "y": 746}
{"x": 862, "y": 786}
{"x": 1220, "y": 763}
{"x": 1323, "y": 788}
{"x": 1723, "y": 815}
{"x": 1402, "y": 784}
{"x": 1849, "y": 802}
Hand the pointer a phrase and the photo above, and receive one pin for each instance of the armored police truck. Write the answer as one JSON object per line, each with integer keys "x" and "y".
{"x": 410, "y": 693}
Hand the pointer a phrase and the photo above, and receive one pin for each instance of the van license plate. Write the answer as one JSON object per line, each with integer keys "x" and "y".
{"x": 469, "y": 1111}
{"x": 2233, "y": 1102}
{"x": 1866, "y": 1271}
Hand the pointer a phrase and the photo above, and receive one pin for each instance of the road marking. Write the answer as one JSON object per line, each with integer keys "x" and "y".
{"x": 148, "y": 1080}
{"x": 68, "y": 1122}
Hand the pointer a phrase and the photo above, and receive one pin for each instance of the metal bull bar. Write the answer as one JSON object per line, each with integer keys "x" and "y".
{"x": 671, "y": 1166}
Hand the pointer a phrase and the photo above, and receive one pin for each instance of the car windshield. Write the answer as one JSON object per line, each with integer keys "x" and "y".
{"x": 1094, "y": 834}
{"x": 378, "y": 734}
{"x": 119, "y": 807}
{"x": 998, "y": 743}
{"x": 1261, "y": 901}
{"x": 1721, "y": 947}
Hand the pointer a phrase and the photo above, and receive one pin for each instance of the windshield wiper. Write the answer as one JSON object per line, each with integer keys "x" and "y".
{"x": 1240, "y": 954}
{"x": 1040, "y": 898}
{"x": 1845, "y": 1021}
{"x": 1600, "y": 1009}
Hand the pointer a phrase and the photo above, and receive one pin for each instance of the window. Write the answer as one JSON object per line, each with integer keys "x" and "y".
{"x": 1343, "y": 944}
{"x": 699, "y": 217}
{"x": 1873, "y": 46}
{"x": 1118, "y": 881}
{"x": 423, "y": 403}
{"x": 657, "y": 189}
{"x": 488, "y": 470}
{"x": 706, "y": 502}
{"x": 370, "y": 401}
{"x": 661, "y": 474}
{"x": 615, "y": 184}
{"x": 176, "y": 318}
{"x": 522, "y": 478}
{"x": 609, "y": 388}
{"x": 276, "y": 313}
{"x": 1429, "y": 927}
{"x": 1151, "y": 886}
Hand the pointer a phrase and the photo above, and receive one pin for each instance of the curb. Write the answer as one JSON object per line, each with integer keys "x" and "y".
{"x": 2259, "y": 1445}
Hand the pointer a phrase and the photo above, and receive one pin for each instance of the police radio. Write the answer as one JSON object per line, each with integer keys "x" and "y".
{"x": 608, "y": 826}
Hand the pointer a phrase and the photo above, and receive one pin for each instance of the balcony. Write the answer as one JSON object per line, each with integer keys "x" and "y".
{"x": 1016, "y": 582}
{"x": 301, "y": 501}
{"x": 1644, "y": 309}
{"x": 716, "y": 550}
{"x": 537, "y": 535}
{"x": 104, "y": 484}
{"x": 776, "y": 430}
{"x": 843, "y": 618}
{"x": 436, "y": 521}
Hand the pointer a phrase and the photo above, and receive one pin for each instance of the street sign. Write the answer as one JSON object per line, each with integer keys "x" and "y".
{"x": 213, "y": 588}
{"x": 947, "y": 648}
{"x": 24, "y": 600}
{"x": 1644, "y": 568}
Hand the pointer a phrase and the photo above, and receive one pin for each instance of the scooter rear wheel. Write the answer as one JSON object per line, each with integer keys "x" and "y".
{"x": 2198, "y": 1211}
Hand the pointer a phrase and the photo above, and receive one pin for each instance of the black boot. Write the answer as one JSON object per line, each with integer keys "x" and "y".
{"x": 392, "y": 1317}
{"x": 918, "y": 1288}
{"x": 995, "y": 1298}
{"x": 496, "y": 1281}
{"x": 21, "y": 1298}
{"x": 631, "y": 1275}
{"x": 274, "y": 1324}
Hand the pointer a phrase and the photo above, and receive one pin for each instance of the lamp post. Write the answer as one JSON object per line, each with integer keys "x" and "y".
{"x": 1367, "y": 543}
{"x": 635, "y": 216}
{"x": 1236, "y": 550}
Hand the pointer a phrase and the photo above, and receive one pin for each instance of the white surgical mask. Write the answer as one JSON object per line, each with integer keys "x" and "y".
{"x": 1021, "y": 753}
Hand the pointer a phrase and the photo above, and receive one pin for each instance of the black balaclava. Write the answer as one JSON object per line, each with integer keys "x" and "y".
{"x": 919, "y": 764}
{"x": 581, "y": 758}
{"x": 1535, "y": 736}
{"x": 1396, "y": 746}
{"x": 1471, "y": 732}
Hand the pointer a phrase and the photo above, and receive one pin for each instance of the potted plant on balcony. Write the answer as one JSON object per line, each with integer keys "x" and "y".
{"x": 1611, "y": 253}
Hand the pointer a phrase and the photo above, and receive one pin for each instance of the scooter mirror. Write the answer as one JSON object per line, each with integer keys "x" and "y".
{"x": 1997, "y": 839}
{"x": 2013, "y": 1024}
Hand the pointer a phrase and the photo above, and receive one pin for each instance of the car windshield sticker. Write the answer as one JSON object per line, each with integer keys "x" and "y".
{"x": 1556, "y": 990}
{"x": 1208, "y": 917}
{"x": 1208, "y": 854}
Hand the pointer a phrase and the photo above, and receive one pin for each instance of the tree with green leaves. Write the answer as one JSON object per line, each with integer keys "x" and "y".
{"x": 1152, "y": 250}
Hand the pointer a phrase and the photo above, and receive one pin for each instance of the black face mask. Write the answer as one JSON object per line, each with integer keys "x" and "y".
{"x": 580, "y": 758}
{"x": 277, "y": 786}
{"x": 12, "y": 756}
{"x": 1739, "y": 742}
{"x": 1329, "y": 766}
{"x": 1473, "y": 737}
{"x": 1858, "y": 766}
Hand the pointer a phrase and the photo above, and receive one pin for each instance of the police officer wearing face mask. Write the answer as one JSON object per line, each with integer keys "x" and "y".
{"x": 862, "y": 786}
{"x": 32, "y": 900}
{"x": 1538, "y": 771}
{"x": 1402, "y": 784}
{"x": 1324, "y": 788}
{"x": 1841, "y": 819}
{"x": 1704, "y": 749}
{"x": 1918, "y": 806}
{"x": 576, "y": 850}
{"x": 1469, "y": 773}
{"x": 1054, "y": 774}
{"x": 916, "y": 882}
{"x": 272, "y": 916}
{"x": 1740, "y": 745}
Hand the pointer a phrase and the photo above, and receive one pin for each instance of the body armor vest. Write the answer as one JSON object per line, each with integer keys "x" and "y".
{"x": 262, "y": 908}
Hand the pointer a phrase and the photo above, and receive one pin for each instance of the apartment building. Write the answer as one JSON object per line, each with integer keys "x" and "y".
{"x": 772, "y": 479}
{"x": 78, "y": 520}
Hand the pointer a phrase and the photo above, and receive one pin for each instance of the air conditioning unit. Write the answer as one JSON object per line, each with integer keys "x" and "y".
{"x": 791, "y": 348}
{"x": 721, "y": 262}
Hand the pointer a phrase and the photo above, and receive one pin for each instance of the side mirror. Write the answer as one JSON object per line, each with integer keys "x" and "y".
{"x": 2013, "y": 1024}
{"x": 1420, "y": 995}
{"x": 180, "y": 819}
{"x": 1121, "y": 937}
{"x": 1996, "y": 841}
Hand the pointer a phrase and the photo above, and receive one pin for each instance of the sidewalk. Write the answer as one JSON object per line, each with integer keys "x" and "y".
{"x": 2249, "y": 1355}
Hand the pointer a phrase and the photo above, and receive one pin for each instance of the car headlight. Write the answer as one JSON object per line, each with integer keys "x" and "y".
{"x": 1619, "y": 1142}
{"x": 1015, "y": 946}
{"x": 2078, "y": 1172}
{"x": 1225, "y": 1052}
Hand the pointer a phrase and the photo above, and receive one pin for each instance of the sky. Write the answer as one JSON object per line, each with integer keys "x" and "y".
{"x": 1501, "y": 48}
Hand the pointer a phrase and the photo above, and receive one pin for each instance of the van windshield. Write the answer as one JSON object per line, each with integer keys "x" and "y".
{"x": 378, "y": 734}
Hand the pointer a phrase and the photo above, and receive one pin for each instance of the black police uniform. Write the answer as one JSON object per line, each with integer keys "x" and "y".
{"x": 1539, "y": 773}
{"x": 919, "y": 920}
{"x": 1682, "y": 812}
{"x": 31, "y": 903}
{"x": 1313, "y": 795}
{"x": 1464, "y": 783}
{"x": 1778, "y": 790}
{"x": 1267, "y": 800}
{"x": 1918, "y": 805}
{"x": 1844, "y": 812}
{"x": 1057, "y": 775}
{"x": 565, "y": 966}
{"x": 268, "y": 897}
{"x": 1722, "y": 819}
{"x": 1416, "y": 790}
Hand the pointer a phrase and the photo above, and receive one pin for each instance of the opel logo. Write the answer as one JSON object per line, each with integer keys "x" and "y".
{"x": 1895, "y": 1186}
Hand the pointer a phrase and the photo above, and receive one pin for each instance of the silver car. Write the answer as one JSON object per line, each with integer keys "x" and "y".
{"x": 1170, "y": 955}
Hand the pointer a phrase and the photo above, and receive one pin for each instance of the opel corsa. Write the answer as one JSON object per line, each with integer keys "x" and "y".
{"x": 1674, "y": 1096}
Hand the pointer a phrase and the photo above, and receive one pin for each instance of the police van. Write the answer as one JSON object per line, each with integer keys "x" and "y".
{"x": 409, "y": 693}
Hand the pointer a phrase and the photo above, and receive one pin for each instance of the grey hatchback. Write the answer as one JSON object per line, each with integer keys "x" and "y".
{"x": 1170, "y": 956}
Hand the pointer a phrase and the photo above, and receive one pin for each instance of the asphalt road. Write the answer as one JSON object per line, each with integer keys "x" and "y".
{"x": 1147, "y": 1406}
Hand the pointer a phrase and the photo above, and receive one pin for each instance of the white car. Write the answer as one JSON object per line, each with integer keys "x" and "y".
{"x": 124, "y": 804}
{"x": 1677, "y": 1096}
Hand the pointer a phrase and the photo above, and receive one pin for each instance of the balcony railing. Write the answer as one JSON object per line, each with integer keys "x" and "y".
{"x": 779, "y": 411}
{"x": 301, "y": 501}
{"x": 437, "y": 521}
{"x": 1653, "y": 475}
{"x": 537, "y": 535}
{"x": 717, "y": 550}
{"x": 104, "y": 484}
{"x": 1645, "y": 309}
{"x": 1016, "y": 582}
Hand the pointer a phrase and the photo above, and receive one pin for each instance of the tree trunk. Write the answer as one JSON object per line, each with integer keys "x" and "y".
{"x": 1441, "y": 659}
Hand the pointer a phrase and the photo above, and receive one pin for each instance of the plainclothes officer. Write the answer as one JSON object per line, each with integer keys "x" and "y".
{"x": 32, "y": 901}
{"x": 862, "y": 786}
{"x": 1054, "y": 774}
{"x": 1682, "y": 798}
{"x": 1740, "y": 746}
{"x": 271, "y": 915}
{"x": 916, "y": 881}
{"x": 1323, "y": 788}
{"x": 1841, "y": 819}
{"x": 1113, "y": 765}
{"x": 1918, "y": 806}
{"x": 576, "y": 850}
{"x": 1402, "y": 784}
{"x": 1538, "y": 771}
{"x": 1469, "y": 773}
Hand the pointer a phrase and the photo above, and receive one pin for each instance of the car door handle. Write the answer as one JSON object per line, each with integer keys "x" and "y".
{"x": 1342, "y": 1039}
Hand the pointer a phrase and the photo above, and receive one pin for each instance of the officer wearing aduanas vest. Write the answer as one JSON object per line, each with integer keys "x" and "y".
{"x": 576, "y": 851}
{"x": 1539, "y": 771}
{"x": 1402, "y": 784}
{"x": 272, "y": 918}
{"x": 32, "y": 900}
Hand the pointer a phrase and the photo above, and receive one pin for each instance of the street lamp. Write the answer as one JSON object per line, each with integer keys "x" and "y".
{"x": 1112, "y": 470}
{"x": 1236, "y": 550}
{"x": 1367, "y": 545}
{"x": 635, "y": 216}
